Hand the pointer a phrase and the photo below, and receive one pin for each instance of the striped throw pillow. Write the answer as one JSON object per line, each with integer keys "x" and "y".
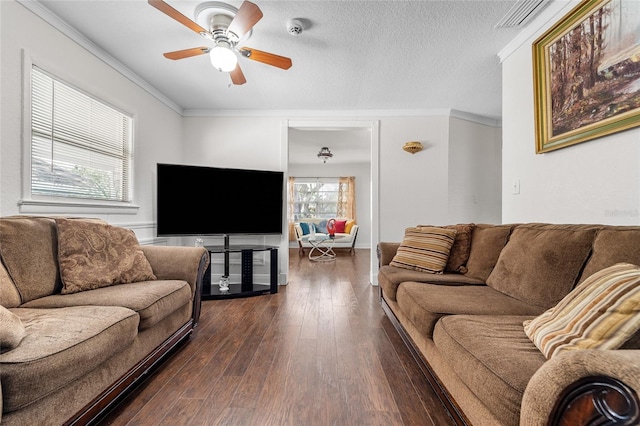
{"x": 424, "y": 249}
{"x": 602, "y": 312}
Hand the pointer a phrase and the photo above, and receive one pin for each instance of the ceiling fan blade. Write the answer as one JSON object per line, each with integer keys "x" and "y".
{"x": 248, "y": 15}
{"x": 187, "y": 53}
{"x": 266, "y": 58}
{"x": 173, "y": 13}
{"x": 237, "y": 76}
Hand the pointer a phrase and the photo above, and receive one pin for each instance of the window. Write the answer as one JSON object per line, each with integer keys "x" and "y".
{"x": 315, "y": 197}
{"x": 322, "y": 197}
{"x": 80, "y": 147}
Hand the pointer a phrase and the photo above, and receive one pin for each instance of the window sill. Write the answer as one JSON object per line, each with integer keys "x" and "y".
{"x": 61, "y": 207}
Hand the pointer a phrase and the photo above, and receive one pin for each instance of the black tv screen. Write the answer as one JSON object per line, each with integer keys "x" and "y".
{"x": 197, "y": 200}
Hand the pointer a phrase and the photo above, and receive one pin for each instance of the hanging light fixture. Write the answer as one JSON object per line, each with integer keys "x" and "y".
{"x": 324, "y": 154}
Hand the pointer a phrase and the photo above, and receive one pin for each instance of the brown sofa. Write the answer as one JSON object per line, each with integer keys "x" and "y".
{"x": 466, "y": 329}
{"x": 80, "y": 351}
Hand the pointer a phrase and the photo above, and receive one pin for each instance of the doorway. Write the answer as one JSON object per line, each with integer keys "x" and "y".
{"x": 295, "y": 138}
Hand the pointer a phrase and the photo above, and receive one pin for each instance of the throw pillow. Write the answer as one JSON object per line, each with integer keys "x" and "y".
{"x": 424, "y": 249}
{"x": 461, "y": 248}
{"x": 93, "y": 255}
{"x": 305, "y": 228}
{"x": 322, "y": 227}
{"x": 348, "y": 226}
{"x": 340, "y": 226}
{"x": 602, "y": 312}
{"x": 12, "y": 331}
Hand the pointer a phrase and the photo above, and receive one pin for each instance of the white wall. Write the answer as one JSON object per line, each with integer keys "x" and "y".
{"x": 158, "y": 128}
{"x": 475, "y": 161}
{"x": 413, "y": 187}
{"x": 592, "y": 182}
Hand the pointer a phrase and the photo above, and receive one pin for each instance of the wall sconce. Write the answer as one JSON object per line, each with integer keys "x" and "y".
{"x": 413, "y": 147}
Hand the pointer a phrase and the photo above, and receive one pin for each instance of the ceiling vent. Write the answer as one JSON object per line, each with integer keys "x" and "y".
{"x": 521, "y": 13}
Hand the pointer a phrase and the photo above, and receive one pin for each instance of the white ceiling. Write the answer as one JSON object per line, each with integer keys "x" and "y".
{"x": 352, "y": 55}
{"x": 348, "y": 146}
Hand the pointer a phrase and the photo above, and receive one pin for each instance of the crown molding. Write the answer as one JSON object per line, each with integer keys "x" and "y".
{"x": 52, "y": 19}
{"x": 474, "y": 118}
{"x": 369, "y": 114}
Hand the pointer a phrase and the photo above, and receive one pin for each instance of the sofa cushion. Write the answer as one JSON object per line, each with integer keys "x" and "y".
{"x": 424, "y": 249}
{"x": 12, "y": 330}
{"x": 390, "y": 277}
{"x": 542, "y": 263}
{"x": 152, "y": 300}
{"x": 61, "y": 345}
{"x": 32, "y": 263}
{"x": 477, "y": 346}
{"x": 9, "y": 296}
{"x": 613, "y": 244}
{"x": 487, "y": 242}
{"x": 601, "y": 313}
{"x": 93, "y": 255}
{"x": 424, "y": 304}
{"x": 461, "y": 248}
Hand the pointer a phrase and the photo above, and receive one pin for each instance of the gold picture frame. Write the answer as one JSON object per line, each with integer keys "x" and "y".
{"x": 586, "y": 72}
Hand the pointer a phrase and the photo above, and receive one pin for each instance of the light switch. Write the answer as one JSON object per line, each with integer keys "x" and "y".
{"x": 515, "y": 186}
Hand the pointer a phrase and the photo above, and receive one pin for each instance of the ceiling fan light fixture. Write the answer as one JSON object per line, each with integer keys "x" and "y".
{"x": 223, "y": 58}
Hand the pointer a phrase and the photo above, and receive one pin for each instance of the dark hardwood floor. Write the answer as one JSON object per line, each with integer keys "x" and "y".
{"x": 320, "y": 352}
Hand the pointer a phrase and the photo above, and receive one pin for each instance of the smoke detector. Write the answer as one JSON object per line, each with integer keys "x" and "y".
{"x": 294, "y": 27}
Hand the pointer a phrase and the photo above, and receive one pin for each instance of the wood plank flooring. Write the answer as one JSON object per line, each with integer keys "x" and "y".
{"x": 320, "y": 352}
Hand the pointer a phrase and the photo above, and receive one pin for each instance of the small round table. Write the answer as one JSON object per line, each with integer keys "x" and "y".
{"x": 323, "y": 245}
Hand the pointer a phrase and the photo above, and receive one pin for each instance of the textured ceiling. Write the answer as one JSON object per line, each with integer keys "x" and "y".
{"x": 352, "y": 55}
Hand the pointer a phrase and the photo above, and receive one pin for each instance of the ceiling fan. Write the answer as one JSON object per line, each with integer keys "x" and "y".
{"x": 227, "y": 31}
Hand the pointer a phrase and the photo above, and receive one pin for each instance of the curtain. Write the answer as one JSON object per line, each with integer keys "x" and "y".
{"x": 347, "y": 198}
{"x": 290, "y": 209}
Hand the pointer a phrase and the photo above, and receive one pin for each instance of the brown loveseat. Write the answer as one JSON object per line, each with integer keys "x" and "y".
{"x": 465, "y": 326}
{"x": 73, "y": 343}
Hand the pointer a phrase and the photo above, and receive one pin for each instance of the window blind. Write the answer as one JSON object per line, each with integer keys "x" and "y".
{"x": 80, "y": 147}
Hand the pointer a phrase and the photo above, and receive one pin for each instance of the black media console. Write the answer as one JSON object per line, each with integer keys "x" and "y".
{"x": 246, "y": 287}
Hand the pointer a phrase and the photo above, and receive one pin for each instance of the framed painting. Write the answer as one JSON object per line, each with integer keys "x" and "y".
{"x": 586, "y": 71}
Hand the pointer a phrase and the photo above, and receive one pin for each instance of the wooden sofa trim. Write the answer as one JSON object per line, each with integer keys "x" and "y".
{"x": 445, "y": 398}
{"x": 596, "y": 400}
{"x": 101, "y": 405}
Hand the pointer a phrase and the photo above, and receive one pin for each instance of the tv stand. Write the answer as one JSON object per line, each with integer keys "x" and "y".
{"x": 246, "y": 287}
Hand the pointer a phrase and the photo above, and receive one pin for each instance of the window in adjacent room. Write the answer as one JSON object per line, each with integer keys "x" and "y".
{"x": 81, "y": 148}
{"x": 330, "y": 197}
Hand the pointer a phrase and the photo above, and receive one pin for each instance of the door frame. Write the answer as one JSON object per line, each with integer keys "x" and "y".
{"x": 328, "y": 124}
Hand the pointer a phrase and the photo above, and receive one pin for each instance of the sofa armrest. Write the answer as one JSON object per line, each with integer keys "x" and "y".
{"x": 386, "y": 251}
{"x": 579, "y": 387}
{"x": 178, "y": 263}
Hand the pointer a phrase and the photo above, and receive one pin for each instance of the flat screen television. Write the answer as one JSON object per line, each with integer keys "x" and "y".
{"x": 197, "y": 200}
